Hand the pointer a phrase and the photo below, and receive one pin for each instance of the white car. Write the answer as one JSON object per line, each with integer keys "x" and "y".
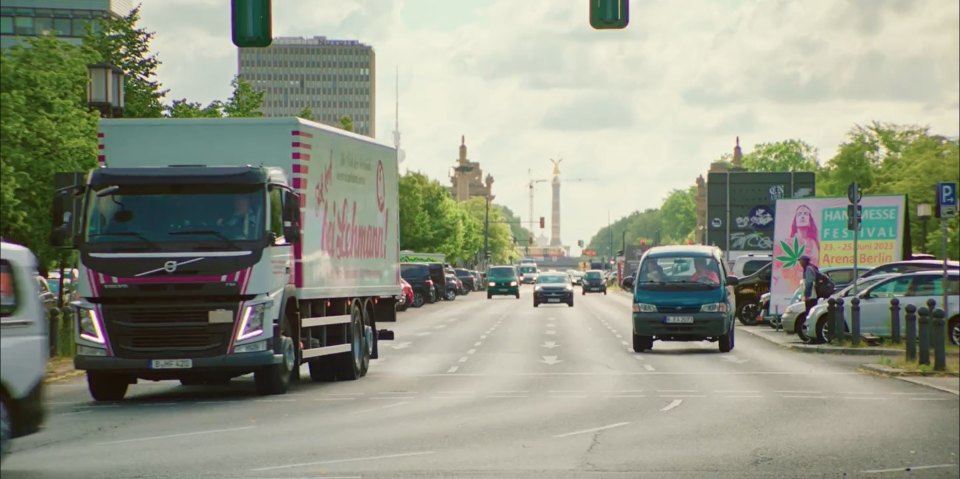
{"x": 910, "y": 288}
{"x": 23, "y": 346}
{"x": 794, "y": 320}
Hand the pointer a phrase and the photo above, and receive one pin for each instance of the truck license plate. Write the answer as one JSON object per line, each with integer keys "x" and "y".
{"x": 171, "y": 364}
{"x": 679, "y": 320}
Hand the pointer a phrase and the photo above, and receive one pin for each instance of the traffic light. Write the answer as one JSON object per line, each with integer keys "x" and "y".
{"x": 854, "y": 217}
{"x": 580, "y": 243}
{"x": 251, "y": 23}
{"x": 609, "y": 14}
{"x": 542, "y": 222}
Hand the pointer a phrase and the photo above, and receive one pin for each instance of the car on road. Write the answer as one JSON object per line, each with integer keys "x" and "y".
{"x": 406, "y": 296}
{"x": 553, "y": 287}
{"x": 682, "y": 293}
{"x": 528, "y": 273}
{"x": 914, "y": 288}
{"x": 478, "y": 282}
{"x": 467, "y": 278}
{"x": 576, "y": 277}
{"x": 750, "y": 263}
{"x": 910, "y": 266}
{"x": 23, "y": 346}
{"x": 418, "y": 275}
{"x": 593, "y": 282}
{"x": 503, "y": 281}
{"x": 794, "y": 318}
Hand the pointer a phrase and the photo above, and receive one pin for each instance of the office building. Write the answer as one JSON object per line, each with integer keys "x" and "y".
{"x": 334, "y": 78}
{"x": 68, "y": 19}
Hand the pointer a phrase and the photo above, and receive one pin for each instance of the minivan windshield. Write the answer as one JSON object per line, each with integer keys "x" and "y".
{"x": 502, "y": 272}
{"x": 679, "y": 271}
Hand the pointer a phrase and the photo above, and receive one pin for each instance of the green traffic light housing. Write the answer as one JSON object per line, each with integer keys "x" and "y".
{"x": 609, "y": 14}
{"x": 251, "y": 23}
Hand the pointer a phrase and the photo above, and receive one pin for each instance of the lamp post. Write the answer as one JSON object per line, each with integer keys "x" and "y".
{"x": 105, "y": 89}
{"x": 923, "y": 214}
{"x": 486, "y": 221}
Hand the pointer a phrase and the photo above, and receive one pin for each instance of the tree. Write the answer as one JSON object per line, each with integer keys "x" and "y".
{"x": 306, "y": 113}
{"x": 119, "y": 42}
{"x": 787, "y": 155}
{"x": 245, "y": 101}
{"x": 186, "y": 109}
{"x": 346, "y": 123}
{"x": 46, "y": 128}
{"x": 681, "y": 207}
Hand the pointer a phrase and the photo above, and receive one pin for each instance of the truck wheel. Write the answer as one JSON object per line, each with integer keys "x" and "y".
{"x": 747, "y": 312}
{"x": 322, "y": 369}
{"x": 350, "y": 365}
{"x": 642, "y": 343}
{"x": 6, "y": 431}
{"x": 106, "y": 387}
{"x": 726, "y": 341}
{"x": 275, "y": 379}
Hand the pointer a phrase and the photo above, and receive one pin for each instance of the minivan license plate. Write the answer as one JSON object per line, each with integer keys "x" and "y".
{"x": 171, "y": 364}
{"x": 679, "y": 320}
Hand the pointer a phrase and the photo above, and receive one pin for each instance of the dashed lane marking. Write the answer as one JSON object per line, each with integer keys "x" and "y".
{"x": 338, "y": 461}
{"x": 595, "y": 429}
{"x": 648, "y": 367}
{"x": 463, "y": 359}
{"x": 170, "y": 436}
{"x": 673, "y": 404}
{"x": 453, "y": 369}
{"x": 471, "y": 351}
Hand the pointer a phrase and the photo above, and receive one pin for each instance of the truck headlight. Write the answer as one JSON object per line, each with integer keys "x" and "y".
{"x": 88, "y": 324}
{"x": 714, "y": 308}
{"x": 251, "y": 347}
{"x": 90, "y": 351}
{"x": 644, "y": 308}
{"x": 251, "y": 323}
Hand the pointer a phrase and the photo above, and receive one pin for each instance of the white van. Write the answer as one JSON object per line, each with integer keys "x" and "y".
{"x": 23, "y": 346}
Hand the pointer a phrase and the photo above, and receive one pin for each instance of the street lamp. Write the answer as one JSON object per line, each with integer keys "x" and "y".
{"x": 486, "y": 220}
{"x": 923, "y": 214}
{"x": 105, "y": 89}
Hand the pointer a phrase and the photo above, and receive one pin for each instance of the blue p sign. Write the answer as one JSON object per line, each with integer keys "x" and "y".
{"x": 947, "y": 200}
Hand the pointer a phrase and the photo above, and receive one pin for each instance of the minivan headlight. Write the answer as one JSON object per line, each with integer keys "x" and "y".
{"x": 513, "y": 283}
{"x": 251, "y": 323}
{"x": 714, "y": 308}
{"x": 644, "y": 308}
{"x": 88, "y": 324}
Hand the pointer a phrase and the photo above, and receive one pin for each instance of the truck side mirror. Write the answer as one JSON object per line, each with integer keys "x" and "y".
{"x": 291, "y": 216}
{"x": 733, "y": 280}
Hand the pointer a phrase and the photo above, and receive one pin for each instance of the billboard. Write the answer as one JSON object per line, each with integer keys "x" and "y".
{"x": 817, "y": 227}
{"x": 741, "y": 207}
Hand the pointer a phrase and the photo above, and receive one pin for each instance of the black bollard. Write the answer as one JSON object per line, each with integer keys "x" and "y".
{"x": 923, "y": 321}
{"x": 911, "y": 332}
{"x": 855, "y": 320}
{"x": 895, "y": 320}
{"x": 840, "y": 324}
{"x": 831, "y": 314}
{"x": 939, "y": 340}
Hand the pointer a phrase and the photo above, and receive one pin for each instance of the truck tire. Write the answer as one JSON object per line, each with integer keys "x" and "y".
{"x": 726, "y": 341}
{"x": 275, "y": 379}
{"x": 350, "y": 365}
{"x": 106, "y": 387}
{"x": 322, "y": 369}
{"x": 6, "y": 430}
{"x": 642, "y": 343}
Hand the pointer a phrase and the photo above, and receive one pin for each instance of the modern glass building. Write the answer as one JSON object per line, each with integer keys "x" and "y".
{"x": 69, "y": 19}
{"x": 334, "y": 78}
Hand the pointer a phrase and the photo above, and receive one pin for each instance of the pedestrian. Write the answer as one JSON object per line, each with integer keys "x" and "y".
{"x": 809, "y": 276}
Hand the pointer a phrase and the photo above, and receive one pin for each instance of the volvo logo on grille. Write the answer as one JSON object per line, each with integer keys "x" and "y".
{"x": 170, "y": 266}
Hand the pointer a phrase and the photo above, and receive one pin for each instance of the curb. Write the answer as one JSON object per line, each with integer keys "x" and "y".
{"x": 60, "y": 377}
{"x": 908, "y": 377}
{"x": 804, "y": 348}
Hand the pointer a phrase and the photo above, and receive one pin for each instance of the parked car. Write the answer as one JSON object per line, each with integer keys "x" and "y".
{"x": 454, "y": 286}
{"x": 681, "y": 293}
{"x": 503, "y": 280}
{"x": 23, "y": 346}
{"x": 468, "y": 280}
{"x": 910, "y": 266}
{"x": 478, "y": 282}
{"x": 748, "y": 291}
{"x": 794, "y": 318}
{"x": 418, "y": 275}
{"x": 553, "y": 287}
{"x": 910, "y": 288}
{"x": 47, "y": 298}
{"x": 593, "y": 282}
{"x": 750, "y": 263}
{"x": 69, "y": 284}
{"x": 438, "y": 275}
{"x": 406, "y": 298}
{"x": 842, "y": 276}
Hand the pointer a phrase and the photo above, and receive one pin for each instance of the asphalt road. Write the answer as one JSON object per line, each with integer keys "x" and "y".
{"x": 496, "y": 388}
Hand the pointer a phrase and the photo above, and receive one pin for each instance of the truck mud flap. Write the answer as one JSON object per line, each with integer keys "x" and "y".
{"x": 385, "y": 335}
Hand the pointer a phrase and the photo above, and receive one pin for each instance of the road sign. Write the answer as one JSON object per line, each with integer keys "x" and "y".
{"x": 946, "y": 200}
{"x": 854, "y": 194}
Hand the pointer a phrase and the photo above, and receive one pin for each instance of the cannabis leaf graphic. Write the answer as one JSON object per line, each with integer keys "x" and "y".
{"x": 791, "y": 254}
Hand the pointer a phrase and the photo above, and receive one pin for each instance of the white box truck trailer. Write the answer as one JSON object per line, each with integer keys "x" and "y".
{"x": 214, "y": 248}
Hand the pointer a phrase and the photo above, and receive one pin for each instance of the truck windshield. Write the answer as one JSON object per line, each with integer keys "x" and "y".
{"x": 152, "y": 214}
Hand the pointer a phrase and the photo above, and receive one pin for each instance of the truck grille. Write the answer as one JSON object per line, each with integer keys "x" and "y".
{"x": 166, "y": 332}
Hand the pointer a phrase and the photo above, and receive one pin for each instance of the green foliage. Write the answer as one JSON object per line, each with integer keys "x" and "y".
{"x": 306, "y": 113}
{"x": 346, "y": 123}
{"x": 45, "y": 128}
{"x": 681, "y": 207}
{"x": 187, "y": 109}
{"x": 638, "y": 226}
{"x": 121, "y": 43}
{"x": 787, "y": 155}
{"x": 791, "y": 253}
{"x": 245, "y": 101}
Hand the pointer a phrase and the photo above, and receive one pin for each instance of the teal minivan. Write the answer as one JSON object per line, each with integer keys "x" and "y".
{"x": 682, "y": 293}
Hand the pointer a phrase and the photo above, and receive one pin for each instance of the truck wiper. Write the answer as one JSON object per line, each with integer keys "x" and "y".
{"x": 207, "y": 232}
{"x": 130, "y": 233}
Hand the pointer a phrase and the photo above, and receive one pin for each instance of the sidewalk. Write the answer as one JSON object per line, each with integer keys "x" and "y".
{"x": 792, "y": 342}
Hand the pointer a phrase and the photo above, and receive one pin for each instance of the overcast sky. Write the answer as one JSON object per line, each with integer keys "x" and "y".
{"x": 635, "y": 113}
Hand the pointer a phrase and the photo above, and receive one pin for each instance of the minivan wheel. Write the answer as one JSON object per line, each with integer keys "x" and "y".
{"x": 6, "y": 430}
{"x": 726, "y": 341}
{"x": 642, "y": 343}
{"x": 106, "y": 387}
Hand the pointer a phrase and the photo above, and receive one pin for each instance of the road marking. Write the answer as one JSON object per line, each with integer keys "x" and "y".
{"x": 338, "y": 461}
{"x": 658, "y": 373}
{"x": 274, "y": 400}
{"x": 483, "y": 336}
{"x": 510, "y": 392}
{"x": 908, "y": 468}
{"x": 568, "y": 396}
{"x": 388, "y": 406}
{"x": 160, "y": 404}
{"x": 856, "y": 393}
{"x": 550, "y": 360}
{"x": 453, "y": 369}
{"x": 799, "y": 392}
{"x": 440, "y": 326}
{"x": 403, "y": 345}
{"x": 314, "y": 399}
{"x": 675, "y": 403}
{"x": 551, "y": 332}
{"x": 741, "y": 397}
{"x": 625, "y": 343}
{"x": 734, "y": 359}
{"x": 478, "y": 343}
{"x": 463, "y": 359}
{"x": 865, "y": 398}
{"x": 585, "y": 431}
{"x": 169, "y": 436}
{"x": 550, "y": 344}
{"x": 682, "y": 396}
{"x": 395, "y": 398}
{"x": 456, "y": 392}
{"x": 932, "y": 399}
{"x": 618, "y": 337}
{"x": 425, "y": 333}
{"x": 638, "y": 357}
{"x": 505, "y": 396}
{"x": 678, "y": 390}
{"x": 471, "y": 351}
{"x": 624, "y": 396}
{"x": 566, "y": 391}
{"x": 648, "y": 367}
{"x": 804, "y": 397}
{"x": 72, "y": 413}
{"x": 735, "y": 391}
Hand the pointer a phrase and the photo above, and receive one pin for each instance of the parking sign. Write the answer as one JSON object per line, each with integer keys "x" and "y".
{"x": 946, "y": 200}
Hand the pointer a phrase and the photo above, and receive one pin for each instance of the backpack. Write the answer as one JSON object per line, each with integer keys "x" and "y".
{"x": 823, "y": 285}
